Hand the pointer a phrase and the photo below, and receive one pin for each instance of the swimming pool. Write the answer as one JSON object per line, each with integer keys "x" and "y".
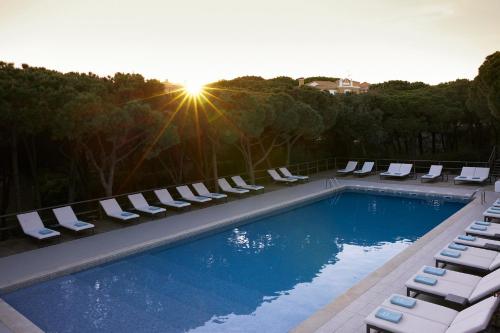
{"x": 267, "y": 275}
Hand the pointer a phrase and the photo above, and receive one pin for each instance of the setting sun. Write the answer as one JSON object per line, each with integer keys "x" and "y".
{"x": 193, "y": 88}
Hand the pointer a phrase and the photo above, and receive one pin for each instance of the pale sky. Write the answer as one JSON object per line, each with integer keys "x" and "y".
{"x": 208, "y": 40}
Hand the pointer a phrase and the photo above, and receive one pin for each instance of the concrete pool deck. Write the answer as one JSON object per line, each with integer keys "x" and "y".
{"x": 347, "y": 310}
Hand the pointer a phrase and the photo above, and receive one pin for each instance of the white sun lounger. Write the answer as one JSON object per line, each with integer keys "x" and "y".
{"x": 397, "y": 170}
{"x": 226, "y": 187}
{"x": 366, "y": 169}
{"x": 434, "y": 172}
{"x": 491, "y": 213}
{"x": 490, "y": 231}
{"x": 166, "y": 199}
{"x": 202, "y": 190}
{"x": 242, "y": 184}
{"x": 455, "y": 287}
{"x": 471, "y": 174}
{"x": 431, "y": 318}
{"x": 277, "y": 178}
{"x": 474, "y": 241}
{"x": 113, "y": 209}
{"x": 67, "y": 218}
{"x": 473, "y": 258}
{"x": 140, "y": 204}
{"x": 350, "y": 167}
{"x": 284, "y": 171}
{"x": 32, "y": 225}
{"x": 186, "y": 194}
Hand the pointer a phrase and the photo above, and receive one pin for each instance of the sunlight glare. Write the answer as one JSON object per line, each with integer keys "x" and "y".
{"x": 193, "y": 88}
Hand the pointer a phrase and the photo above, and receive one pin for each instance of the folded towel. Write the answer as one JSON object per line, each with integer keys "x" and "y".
{"x": 494, "y": 208}
{"x": 429, "y": 175}
{"x": 458, "y": 247}
{"x": 450, "y": 253}
{"x": 392, "y": 316}
{"x": 492, "y": 211}
{"x": 482, "y": 223}
{"x": 478, "y": 227}
{"x": 179, "y": 202}
{"x": 403, "y": 301}
{"x": 425, "y": 280}
{"x": 467, "y": 238}
{"x": 80, "y": 224}
{"x": 126, "y": 214}
{"x": 476, "y": 177}
{"x": 44, "y": 231}
{"x": 461, "y": 177}
{"x": 434, "y": 270}
{"x": 154, "y": 208}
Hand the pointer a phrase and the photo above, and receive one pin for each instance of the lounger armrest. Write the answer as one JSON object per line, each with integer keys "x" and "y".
{"x": 494, "y": 247}
{"x": 456, "y": 299}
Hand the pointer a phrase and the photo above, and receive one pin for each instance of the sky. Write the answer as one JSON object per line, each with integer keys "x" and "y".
{"x": 200, "y": 41}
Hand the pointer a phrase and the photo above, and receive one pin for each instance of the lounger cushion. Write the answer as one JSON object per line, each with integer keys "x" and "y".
{"x": 496, "y": 263}
{"x": 445, "y": 286}
{"x": 37, "y": 235}
{"x": 476, "y": 258}
{"x": 475, "y": 318}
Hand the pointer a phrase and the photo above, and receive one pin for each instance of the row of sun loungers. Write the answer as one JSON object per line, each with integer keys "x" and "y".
{"x": 32, "y": 224}
{"x": 476, "y": 295}
{"x": 402, "y": 170}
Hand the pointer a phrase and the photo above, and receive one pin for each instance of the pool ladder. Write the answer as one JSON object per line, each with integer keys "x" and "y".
{"x": 331, "y": 183}
{"x": 483, "y": 195}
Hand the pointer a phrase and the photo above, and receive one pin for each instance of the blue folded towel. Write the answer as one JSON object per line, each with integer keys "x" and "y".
{"x": 461, "y": 177}
{"x": 478, "y": 227}
{"x": 392, "y": 316}
{"x": 434, "y": 270}
{"x": 494, "y": 208}
{"x": 458, "y": 247}
{"x": 476, "y": 177}
{"x": 403, "y": 301}
{"x": 80, "y": 224}
{"x": 178, "y": 202}
{"x": 44, "y": 231}
{"x": 482, "y": 223}
{"x": 467, "y": 238}
{"x": 492, "y": 211}
{"x": 428, "y": 175}
{"x": 154, "y": 208}
{"x": 450, "y": 253}
{"x": 126, "y": 214}
{"x": 425, "y": 280}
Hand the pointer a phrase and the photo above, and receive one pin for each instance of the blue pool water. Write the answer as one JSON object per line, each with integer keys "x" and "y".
{"x": 266, "y": 276}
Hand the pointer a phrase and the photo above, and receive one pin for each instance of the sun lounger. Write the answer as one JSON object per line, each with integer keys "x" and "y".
{"x": 277, "y": 178}
{"x": 487, "y": 231}
{"x": 471, "y": 174}
{"x": 186, "y": 194}
{"x": 284, "y": 171}
{"x": 472, "y": 258}
{"x": 366, "y": 169}
{"x": 455, "y": 287}
{"x": 491, "y": 213}
{"x": 67, "y": 219}
{"x": 226, "y": 187}
{"x": 397, "y": 170}
{"x": 166, "y": 199}
{"x": 203, "y": 191}
{"x": 32, "y": 225}
{"x": 140, "y": 204}
{"x": 417, "y": 316}
{"x": 113, "y": 209}
{"x": 242, "y": 184}
{"x": 474, "y": 241}
{"x": 434, "y": 172}
{"x": 349, "y": 168}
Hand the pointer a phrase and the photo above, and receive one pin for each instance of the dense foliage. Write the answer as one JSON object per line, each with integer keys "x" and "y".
{"x": 72, "y": 136}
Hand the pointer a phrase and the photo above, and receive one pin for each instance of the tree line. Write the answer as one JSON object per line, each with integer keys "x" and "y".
{"x": 74, "y": 136}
